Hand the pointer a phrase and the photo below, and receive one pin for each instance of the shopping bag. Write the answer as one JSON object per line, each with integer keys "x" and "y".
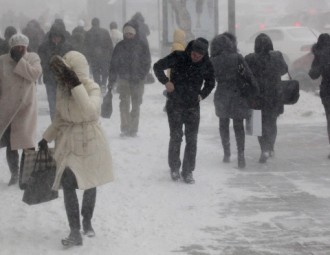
{"x": 288, "y": 91}
{"x": 253, "y": 124}
{"x": 39, "y": 185}
{"x": 106, "y": 108}
{"x": 27, "y": 164}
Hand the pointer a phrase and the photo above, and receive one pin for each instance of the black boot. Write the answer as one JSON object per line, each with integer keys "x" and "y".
{"x": 12, "y": 159}
{"x": 241, "y": 160}
{"x": 87, "y": 228}
{"x": 263, "y": 157}
{"x": 225, "y": 139}
{"x": 73, "y": 239}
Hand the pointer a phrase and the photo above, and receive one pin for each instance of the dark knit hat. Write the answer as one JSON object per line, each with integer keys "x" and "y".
{"x": 200, "y": 45}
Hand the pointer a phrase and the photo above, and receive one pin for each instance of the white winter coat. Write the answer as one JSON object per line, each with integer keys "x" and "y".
{"x": 80, "y": 143}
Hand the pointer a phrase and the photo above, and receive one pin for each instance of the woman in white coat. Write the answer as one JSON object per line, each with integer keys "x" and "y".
{"x": 81, "y": 151}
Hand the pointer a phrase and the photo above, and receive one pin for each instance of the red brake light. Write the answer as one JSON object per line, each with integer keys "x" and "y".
{"x": 297, "y": 24}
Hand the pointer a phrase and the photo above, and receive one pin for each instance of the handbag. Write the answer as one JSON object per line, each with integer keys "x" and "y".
{"x": 28, "y": 160}
{"x": 39, "y": 185}
{"x": 106, "y": 108}
{"x": 253, "y": 124}
{"x": 288, "y": 91}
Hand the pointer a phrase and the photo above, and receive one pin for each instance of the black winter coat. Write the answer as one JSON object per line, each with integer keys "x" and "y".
{"x": 228, "y": 101}
{"x": 48, "y": 49}
{"x": 268, "y": 69}
{"x": 130, "y": 61}
{"x": 187, "y": 77}
{"x": 321, "y": 67}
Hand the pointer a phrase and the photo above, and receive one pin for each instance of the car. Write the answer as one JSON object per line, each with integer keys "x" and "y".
{"x": 294, "y": 43}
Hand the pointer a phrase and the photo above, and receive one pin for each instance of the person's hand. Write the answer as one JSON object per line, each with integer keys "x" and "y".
{"x": 71, "y": 78}
{"x": 16, "y": 53}
{"x": 200, "y": 98}
{"x": 43, "y": 144}
{"x": 169, "y": 87}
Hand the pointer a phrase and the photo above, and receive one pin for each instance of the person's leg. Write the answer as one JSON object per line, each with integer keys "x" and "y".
{"x": 96, "y": 72}
{"x": 273, "y": 134}
{"x": 191, "y": 122}
{"x": 13, "y": 163}
{"x": 266, "y": 139}
{"x": 175, "y": 124}
{"x": 87, "y": 210}
{"x": 225, "y": 138}
{"x": 124, "y": 106}
{"x": 137, "y": 91}
{"x": 69, "y": 185}
{"x": 240, "y": 141}
{"x": 51, "y": 97}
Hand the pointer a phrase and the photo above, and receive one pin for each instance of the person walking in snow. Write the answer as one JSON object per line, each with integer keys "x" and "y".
{"x": 115, "y": 34}
{"x": 228, "y": 101}
{"x": 321, "y": 67}
{"x": 19, "y": 71}
{"x": 55, "y": 44}
{"x": 4, "y": 44}
{"x": 192, "y": 80}
{"x": 130, "y": 62}
{"x": 267, "y": 66}
{"x": 82, "y": 154}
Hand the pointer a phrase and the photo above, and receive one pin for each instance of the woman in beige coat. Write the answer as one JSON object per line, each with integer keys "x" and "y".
{"x": 81, "y": 151}
{"x": 19, "y": 71}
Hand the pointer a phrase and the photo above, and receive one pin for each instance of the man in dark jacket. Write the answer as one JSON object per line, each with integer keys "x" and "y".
{"x": 190, "y": 69}
{"x": 99, "y": 50}
{"x": 4, "y": 45}
{"x": 130, "y": 62}
{"x": 55, "y": 44}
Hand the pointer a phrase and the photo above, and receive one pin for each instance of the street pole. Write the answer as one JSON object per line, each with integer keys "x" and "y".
{"x": 124, "y": 11}
{"x": 231, "y": 17}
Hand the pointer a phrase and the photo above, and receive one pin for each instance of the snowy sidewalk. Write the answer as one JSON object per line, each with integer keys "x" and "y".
{"x": 280, "y": 208}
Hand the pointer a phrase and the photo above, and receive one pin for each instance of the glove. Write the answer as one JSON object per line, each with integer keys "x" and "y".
{"x": 71, "y": 78}
{"x": 16, "y": 54}
{"x": 43, "y": 144}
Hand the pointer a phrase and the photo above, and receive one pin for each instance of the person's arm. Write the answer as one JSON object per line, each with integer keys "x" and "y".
{"x": 29, "y": 69}
{"x": 163, "y": 64}
{"x": 209, "y": 80}
{"x": 315, "y": 71}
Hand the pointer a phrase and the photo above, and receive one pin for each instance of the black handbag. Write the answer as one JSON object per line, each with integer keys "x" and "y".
{"x": 39, "y": 186}
{"x": 288, "y": 91}
{"x": 106, "y": 108}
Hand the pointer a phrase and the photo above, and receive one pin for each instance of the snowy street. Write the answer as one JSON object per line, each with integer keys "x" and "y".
{"x": 278, "y": 208}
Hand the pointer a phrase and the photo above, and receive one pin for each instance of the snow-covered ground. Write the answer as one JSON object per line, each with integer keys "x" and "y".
{"x": 142, "y": 212}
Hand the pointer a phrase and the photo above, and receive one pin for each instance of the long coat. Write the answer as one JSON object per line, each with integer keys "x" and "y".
{"x": 228, "y": 101}
{"x": 268, "y": 69}
{"x": 80, "y": 142}
{"x": 18, "y": 102}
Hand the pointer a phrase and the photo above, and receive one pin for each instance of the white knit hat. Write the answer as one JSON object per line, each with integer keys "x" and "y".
{"x": 18, "y": 40}
{"x": 129, "y": 29}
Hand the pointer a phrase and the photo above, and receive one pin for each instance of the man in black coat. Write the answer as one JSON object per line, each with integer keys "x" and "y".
{"x": 54, "y": 44}
{"x": 99, "y": 49}
{"x": 130, "y": 62}
{"x": 190, "y": 69}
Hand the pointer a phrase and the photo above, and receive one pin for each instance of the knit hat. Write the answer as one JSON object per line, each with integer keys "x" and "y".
{"x": 129, "y": 29}
{"x": 18, "y": 40}
{"x": 200, "y": 45}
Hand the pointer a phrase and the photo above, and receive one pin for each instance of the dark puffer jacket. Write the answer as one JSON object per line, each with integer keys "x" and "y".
{"x": 228, "y": 101}
{"x": 130, "y": 60}
{"x": 48, "y": 49}
{"x": 188, "y": 77}
{"x": 267, "y": 66}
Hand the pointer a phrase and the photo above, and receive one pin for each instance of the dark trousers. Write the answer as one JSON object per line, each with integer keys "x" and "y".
{"x": 12, "y": 156}
{"x": 177, "y": 117}
{"x": 100, "y": 73}
{"x": 269, "y": 132}
{"x": 326, "y": 105}
{"x": 69, "y": 184}
{"x": 51, "y": 88}
{"x": 225, "y": 134}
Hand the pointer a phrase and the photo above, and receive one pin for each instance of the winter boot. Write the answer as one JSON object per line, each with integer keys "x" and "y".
{"x": 175, "y": 175}
{"x": 241, "y": 160}
{"x": 12, "y": 159}
{"x": 188, "y": 178}
{"x": 87, "y": 228}
{"x": 263, "y": 157}
{"x": 73, "y": 239}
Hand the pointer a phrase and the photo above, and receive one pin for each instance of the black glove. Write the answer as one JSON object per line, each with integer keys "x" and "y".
{"x": 16, "y": 54}
{"x": 71, "y": 78}
{"x": 43, "y": 144}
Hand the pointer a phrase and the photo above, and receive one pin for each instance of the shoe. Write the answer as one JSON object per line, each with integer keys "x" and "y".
{"x": 188, "y": 178}
{"x": 88, "y": 229}
{"x": 175, "y": 175}
{"x": 13, "y": 179}
{"x": 241, "y": 161}
{"x": 263, "y": 157}
{"x": 226, "y": 158}
{"x": 74, "y": 239}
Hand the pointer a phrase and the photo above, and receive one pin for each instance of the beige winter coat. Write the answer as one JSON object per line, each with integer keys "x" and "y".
{"x": 80, "y": 143}
{"x": 18, "y": 102}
